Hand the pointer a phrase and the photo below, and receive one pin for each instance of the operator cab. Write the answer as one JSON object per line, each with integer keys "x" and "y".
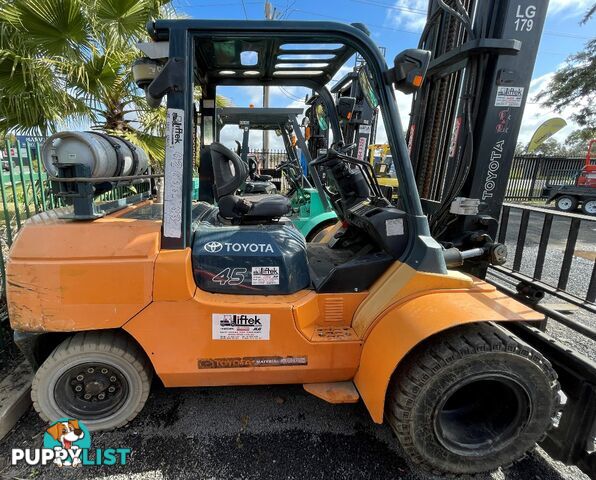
{"x": 253, "y": 248}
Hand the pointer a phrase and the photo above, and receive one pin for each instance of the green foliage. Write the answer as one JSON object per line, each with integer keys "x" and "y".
{"x": 574, "y": 85}
{"x": 67, "y": 63}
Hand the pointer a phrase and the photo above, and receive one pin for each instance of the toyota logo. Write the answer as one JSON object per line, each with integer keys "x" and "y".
{"x": 213, "y": 247}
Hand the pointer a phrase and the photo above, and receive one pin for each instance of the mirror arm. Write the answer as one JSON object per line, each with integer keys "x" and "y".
{"x": 170, "y": 79}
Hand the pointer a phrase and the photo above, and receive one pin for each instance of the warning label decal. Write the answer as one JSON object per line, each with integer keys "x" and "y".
{"x": 509, "y": 96}
{"x": 265, "y": 275}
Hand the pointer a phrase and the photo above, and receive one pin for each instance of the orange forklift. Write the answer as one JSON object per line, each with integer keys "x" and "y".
{"x": 202, "y": 295}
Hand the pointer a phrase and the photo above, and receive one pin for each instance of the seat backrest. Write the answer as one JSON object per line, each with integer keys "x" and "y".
{"x": 229, "y": 170}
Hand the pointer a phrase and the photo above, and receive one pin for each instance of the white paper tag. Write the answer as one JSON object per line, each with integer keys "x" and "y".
{"x": 394, "y": 226}
{"x": 240, "y": 326}
{"x": 265, "y": 275}
{"x": 509, "y": 96}
{"x": 172, "y": 214}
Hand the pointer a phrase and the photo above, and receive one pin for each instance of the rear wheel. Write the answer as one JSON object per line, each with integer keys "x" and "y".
{"x": 589, "y": 207}
{"x": 101, "y": 378}
{"x": 319, "y": 232}
{"x": 471, "y": 400}
{"x": 566, "y": 203}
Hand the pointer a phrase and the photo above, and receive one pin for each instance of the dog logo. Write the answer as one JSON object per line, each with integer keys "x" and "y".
{"x": 68, "y": 437}
{"x": 213, "y": 247}
{"x": 67, "y": 443}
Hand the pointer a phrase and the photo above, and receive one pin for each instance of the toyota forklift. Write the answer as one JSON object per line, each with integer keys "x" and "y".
{"x": 310, "y": 213}
{"x": 377, "y": 311}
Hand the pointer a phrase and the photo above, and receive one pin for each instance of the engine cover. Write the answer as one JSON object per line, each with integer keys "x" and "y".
{"x": 250, "y": 259}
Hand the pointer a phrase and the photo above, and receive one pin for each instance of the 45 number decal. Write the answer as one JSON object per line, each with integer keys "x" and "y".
{"x": 230, "y": 276}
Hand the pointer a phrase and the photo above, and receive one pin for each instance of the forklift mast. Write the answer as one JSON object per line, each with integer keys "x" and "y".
{"x": 467, "y": 115}
{"x": 317, "y": 138}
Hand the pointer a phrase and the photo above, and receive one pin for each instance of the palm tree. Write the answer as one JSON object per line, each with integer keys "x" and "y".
{"x": 67, "y": 63}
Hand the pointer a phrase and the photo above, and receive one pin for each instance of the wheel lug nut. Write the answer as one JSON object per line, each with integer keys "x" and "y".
{"x": 104, "y": 370}
{"x": 78, "y": 388}
{"x": 80, "y": 378}
{"x": 112, "y": 389}
{"x": 101, "y": 396}
{"x": 87, "y": 396}
{"x": 90, "y": 370}
{"x": 112, "y": 378}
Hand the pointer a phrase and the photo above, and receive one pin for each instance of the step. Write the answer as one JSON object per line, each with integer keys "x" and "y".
{"x": 334, "y": 392}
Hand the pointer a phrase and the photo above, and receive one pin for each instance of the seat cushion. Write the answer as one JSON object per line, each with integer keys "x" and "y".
{"x": 271, "y": 206}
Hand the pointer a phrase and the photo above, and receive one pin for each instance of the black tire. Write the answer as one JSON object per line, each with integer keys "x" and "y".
{"x": 566, "y": 203}
{"x": 589, "y": 207}
{"x": 472, "y": 399}
{"x": 105, "y": 366}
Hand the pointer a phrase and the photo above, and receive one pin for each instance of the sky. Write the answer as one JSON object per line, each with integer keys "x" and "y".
{"x": 396, "y": 25}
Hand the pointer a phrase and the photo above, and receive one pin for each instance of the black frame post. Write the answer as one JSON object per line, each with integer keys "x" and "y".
{"x": 178, "y": 166}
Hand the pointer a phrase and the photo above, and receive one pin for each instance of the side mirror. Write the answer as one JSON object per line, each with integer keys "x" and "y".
{"x": 345, "y": 107}
{"x": 409, "y": 70}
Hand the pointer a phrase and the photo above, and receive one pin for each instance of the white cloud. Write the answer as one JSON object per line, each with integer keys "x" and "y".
{"x": 410, "y": 14}
{"x": 535, "y": 114}
{"x": 572, "y": 7}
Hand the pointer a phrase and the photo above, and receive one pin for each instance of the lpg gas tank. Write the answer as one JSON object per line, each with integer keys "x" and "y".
{"x": 250, "y": 259}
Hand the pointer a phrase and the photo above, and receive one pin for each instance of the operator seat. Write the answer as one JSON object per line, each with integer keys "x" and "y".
{"x": 229, "y": 173}
{"x": 252, "y": 171}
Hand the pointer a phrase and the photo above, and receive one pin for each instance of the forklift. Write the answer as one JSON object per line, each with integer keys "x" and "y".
{"x": 379, "y": 156}
{"x": 378, "y": 310}
{"x": 310, "y": 213}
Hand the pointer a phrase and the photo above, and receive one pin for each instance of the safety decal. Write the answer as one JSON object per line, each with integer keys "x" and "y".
{"x": 509, "y": 96}
{"x": 249, "y": 362}
{"x": 172, "y": 215}
{"x": 394, "y": 227}
{"x": 236, "y": 326}
{"x": 265, "y": 275}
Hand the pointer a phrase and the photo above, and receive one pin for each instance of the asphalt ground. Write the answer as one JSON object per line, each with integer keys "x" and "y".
{"x": 272, "y": 432}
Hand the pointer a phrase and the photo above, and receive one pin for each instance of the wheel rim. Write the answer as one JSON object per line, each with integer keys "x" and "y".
{"x": 481, "y": 415}
{"x": 564, "y": 204}
{"x": 91, "y": 391}
{"x": 590, "y": 207}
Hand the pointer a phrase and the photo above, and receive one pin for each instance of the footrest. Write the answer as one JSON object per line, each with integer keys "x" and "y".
{"x": 334, "y": 392}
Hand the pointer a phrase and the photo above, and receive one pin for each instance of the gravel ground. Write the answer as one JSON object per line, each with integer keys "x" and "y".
{"x": 251, "y": 433}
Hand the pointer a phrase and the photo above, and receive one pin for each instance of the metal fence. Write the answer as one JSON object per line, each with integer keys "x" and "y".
{"x": 26, "y": 190}
{"x": 531, "y": 174}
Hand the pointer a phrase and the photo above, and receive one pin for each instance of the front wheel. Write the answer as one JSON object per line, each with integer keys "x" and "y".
{"x": 471, "y": 400}
{"x": 566, "y": 203}
{"x": 100, "y": 378}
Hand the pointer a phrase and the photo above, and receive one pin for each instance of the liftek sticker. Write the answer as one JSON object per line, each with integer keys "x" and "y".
{"x": 244, "y": 326}
{"x": 265, "y": 275}
{"x": 172, "y": 215}
{"x": 509, "y": 96}
{"x": 394, "y": 227}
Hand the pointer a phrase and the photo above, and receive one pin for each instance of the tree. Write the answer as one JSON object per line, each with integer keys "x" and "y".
{"x": 574, "y": 85}
{"x": 67, "y": 63}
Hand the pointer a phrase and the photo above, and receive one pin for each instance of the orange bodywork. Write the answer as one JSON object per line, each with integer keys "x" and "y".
{"x": 66, "y": 276}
